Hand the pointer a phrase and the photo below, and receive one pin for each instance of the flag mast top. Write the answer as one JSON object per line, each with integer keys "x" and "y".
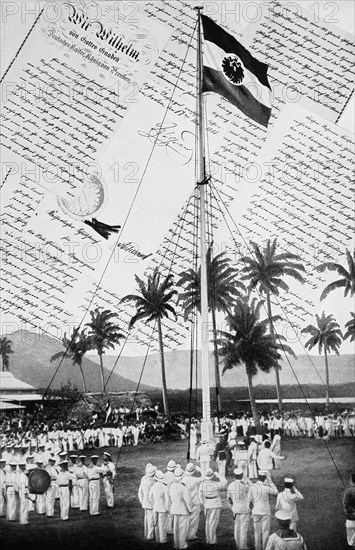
{"x": 202, "y": 180}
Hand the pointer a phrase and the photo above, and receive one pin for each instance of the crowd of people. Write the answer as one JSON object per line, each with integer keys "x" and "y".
{"x": 33, "y": 476}
{"x": 172, "y": 500}
{"x": 148, "y": 426}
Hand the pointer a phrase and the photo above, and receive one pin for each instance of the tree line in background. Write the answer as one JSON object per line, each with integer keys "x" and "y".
{"x": 250, "y": 340}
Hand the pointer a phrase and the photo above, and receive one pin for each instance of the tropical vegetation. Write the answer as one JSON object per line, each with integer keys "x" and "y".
{"x": 75, "y": 347}
{"x": 5, "y": 350}
{"x": 153, "y": 303}
{"x": 347, "y": 275}
{"x": 249, "y": 343}
{"x": 326, "y": 334}
{"x": 264, "y": 271}
{"x": 103, "y": 334}
{"x": 223, "y": 289}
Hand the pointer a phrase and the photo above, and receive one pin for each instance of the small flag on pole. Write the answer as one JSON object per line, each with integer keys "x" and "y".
{"x": 108, "y": 410}
{"x": 231, "y": 71}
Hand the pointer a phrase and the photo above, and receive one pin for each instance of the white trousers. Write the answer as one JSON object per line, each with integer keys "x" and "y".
{"x": 148, "y": 523}
{"x": 74, "y": 498}
{"x": 194, "y": 521}
{"x": 64, "y": 503}
{"x": 23, "y": 513}
{"x": 94, "y": 496}
{"x": 241, "y": 522}
{"x": 261, "y": 531}
{"x": 50, "y": 500}
{"x": 83, "y": 486}
{"x": 252, "y": 470}
{"x": 2, "y": 503}
{"x": 212, "y": 520}
{"x": 10, "y": 504}
{"x": 160, "y": 526}
{"x": 41, "y": 504}
{"x": 350, "y": 532}
{"x": 181, "y": 526}
{"x": 108, "y": 486}
{"x": 204, "y": 465}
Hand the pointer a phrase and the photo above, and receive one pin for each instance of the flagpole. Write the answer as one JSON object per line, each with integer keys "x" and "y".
{"x": 206, "y": 426}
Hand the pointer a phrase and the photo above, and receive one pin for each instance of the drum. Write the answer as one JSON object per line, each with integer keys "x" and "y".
{"x": 38, "y": 481}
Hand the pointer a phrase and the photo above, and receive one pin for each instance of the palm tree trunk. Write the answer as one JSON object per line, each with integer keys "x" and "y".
{"x": 82, "y": 377}
{"x": 277, "y": 375}
{"x": 102, "y": 374}
{"x": 216, "y": 365}
{"x": 326, "y": 380}
{"x": 252, "y": 403}
{"x": 163, "y": 378}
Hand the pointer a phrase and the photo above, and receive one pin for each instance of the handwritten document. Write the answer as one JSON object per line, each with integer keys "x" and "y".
{"x": 98, "y": 121}
{"x": 304, "y": 199}
{"x": 310, "y": 58}
{"x": 64, "y": 97}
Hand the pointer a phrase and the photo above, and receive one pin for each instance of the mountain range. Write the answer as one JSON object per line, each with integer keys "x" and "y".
{"x": 31, "y": 363}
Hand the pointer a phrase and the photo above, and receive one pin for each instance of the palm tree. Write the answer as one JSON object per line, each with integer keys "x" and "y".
{"x": 248, "y": 342}
{"x": 328, "y": 336}
{"x": 222, "y": 291}
{"x": 5, "y": 350}
{"x": 153, "y": 304}
{"x": 347, "y": 280}
{"x": 350, "y": 328}
{"x": 222, "y": 286}
{"x": 265, "y": 271}
{"x": 104, "y": 334}
{"x": 76, "y": 347}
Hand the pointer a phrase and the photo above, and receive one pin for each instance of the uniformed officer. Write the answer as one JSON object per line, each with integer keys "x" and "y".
{"x": 180, "y": 506}
{"x": 286, "y": 500}
{"x": 237, "y": 496}
{"x": 143, "y": 494}
{"x": 210, "y": 496}
{"x": 259, "y": 503}
{"x": 285, "y": 538}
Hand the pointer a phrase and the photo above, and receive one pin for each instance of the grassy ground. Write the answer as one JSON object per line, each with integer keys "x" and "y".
{"x": 308, "y": 461}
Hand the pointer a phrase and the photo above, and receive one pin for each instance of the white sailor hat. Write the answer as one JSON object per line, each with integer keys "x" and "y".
{"x": 107, "y": 454}
{"x": 241, "y": 443}
{"x": 62, "y": 462}
{"x": 159, "y": 476}
{"x": 209, "y": 473}
{"x": 283, "y": 515}
{"x": 2, "y": 460}
{"x": 171, "y": 465}
{"x": 51, "y": 458}
{"x": 262, "y": 473}
{"x": 13, "y": 463}
{"x": 81, "y": 457}
{"x": 238, "y": 472}
{"x": 73, "y": 456}
{"x": 179, "y": 472}
{"x": 190, "y": 468}
{"x": 94, "y": 456}
{"x": 62, "y": 453}
{"x": 150, "y": 470}
{"x": 29, "y": 456}
{"x": 289, "y": 480}
{"x": 22, "y": 463}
